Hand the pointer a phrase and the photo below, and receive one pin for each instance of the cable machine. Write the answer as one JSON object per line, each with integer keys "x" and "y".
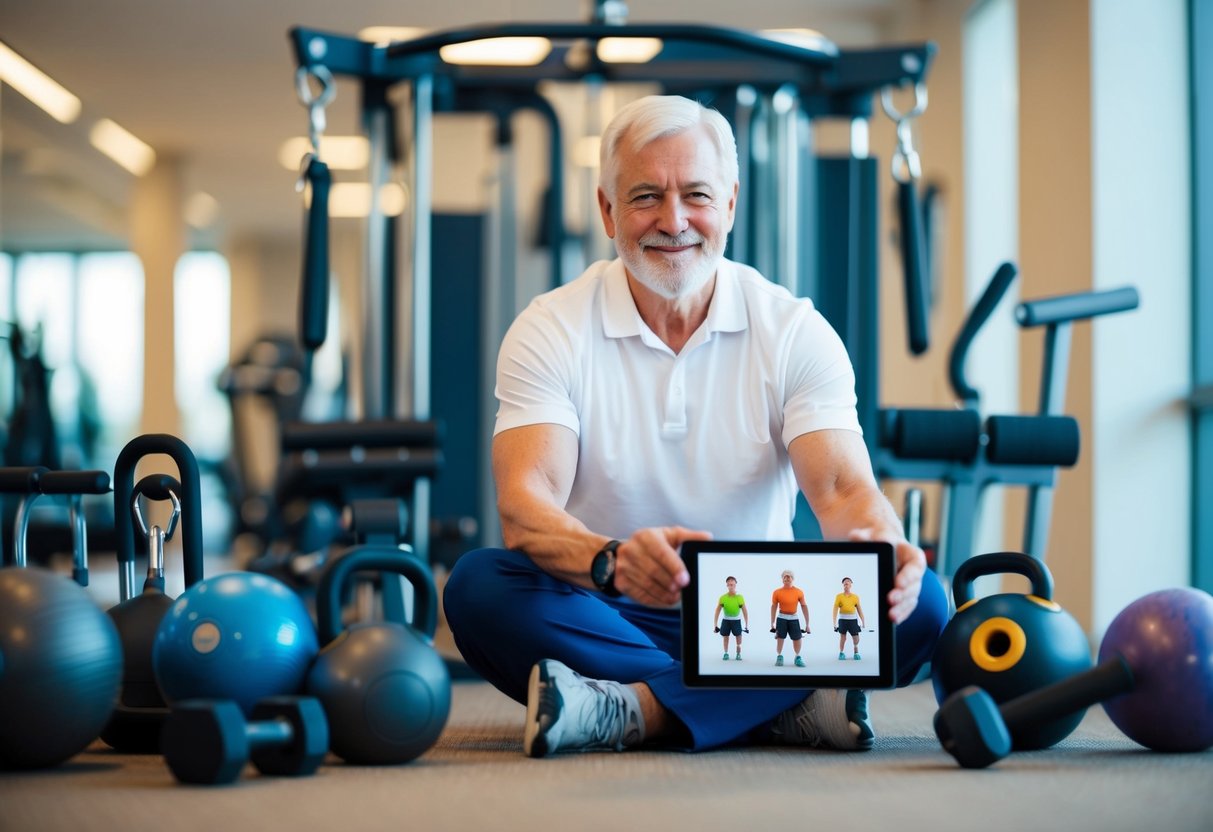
{"x": 807, "y": 222}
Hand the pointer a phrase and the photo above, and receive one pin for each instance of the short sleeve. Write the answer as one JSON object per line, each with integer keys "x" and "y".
{"x": 535, "y": 377}
{"x": 819, "y": 383}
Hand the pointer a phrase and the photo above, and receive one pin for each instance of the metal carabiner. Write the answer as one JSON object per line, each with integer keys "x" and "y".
{"x": 920, "y": 103}
{"x": 172, "y": 520}
{"x": 906, "y": 165}
{"x": 315, "y": 103}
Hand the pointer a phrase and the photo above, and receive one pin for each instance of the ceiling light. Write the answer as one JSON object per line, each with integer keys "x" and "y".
{"x": 338, "y": 152}
{"x": 390, "y": 34}
{"x": 628, "y": 50}
{"x": 37, "y": 86}
{"x": 201, "y": 210}
{"x": 352, "y": 200}
{"x": 805, "y": 38}
{"x": 498, "y": 52}
{"x": 122, "y": 146}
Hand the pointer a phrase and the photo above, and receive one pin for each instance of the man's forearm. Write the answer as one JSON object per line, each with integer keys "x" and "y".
{"x": 862, "y": 507}
{"x": 558, "y": 542}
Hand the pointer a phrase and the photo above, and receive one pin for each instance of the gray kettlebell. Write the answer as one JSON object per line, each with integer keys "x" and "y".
{"x": 385, "y": 690}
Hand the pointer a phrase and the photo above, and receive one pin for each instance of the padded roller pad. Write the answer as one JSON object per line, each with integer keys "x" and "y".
{"x": 933, "y": 434}
{"x": 1033, "y": 440}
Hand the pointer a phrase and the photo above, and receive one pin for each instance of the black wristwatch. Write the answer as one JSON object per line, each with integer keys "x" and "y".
{"x": 602, "y": 570}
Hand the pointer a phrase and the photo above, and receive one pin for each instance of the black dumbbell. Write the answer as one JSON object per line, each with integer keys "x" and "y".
{"x": 976, "y": 730}
{"x": 209, "y": 742}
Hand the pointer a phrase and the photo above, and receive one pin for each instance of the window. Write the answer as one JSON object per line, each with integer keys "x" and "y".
{"x": 109, "y": 342}
{"x": 202, "y": 323}
{"x": 83, "y": 315}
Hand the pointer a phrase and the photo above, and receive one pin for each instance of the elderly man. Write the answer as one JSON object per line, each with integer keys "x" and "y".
{"x": 665, "y": 396}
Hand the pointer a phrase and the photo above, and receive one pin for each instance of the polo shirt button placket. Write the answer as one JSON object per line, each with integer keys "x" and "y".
{"x": 675, "y": 421}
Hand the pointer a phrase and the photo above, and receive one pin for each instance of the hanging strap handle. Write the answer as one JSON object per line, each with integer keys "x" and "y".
{"x": 314, "y": 294}
{"x": 907, "y": 170}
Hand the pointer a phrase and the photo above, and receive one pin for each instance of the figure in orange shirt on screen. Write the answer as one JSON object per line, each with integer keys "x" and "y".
{"x": 785, "y": 618}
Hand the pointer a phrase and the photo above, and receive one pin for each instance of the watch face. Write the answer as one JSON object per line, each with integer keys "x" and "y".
{"x": 602, "y": 568}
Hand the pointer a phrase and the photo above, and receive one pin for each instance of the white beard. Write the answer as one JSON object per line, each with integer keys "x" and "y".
{"x": 669, "y": 280}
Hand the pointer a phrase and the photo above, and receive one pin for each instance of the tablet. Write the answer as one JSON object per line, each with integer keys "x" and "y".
{"x": 817, "y": 570}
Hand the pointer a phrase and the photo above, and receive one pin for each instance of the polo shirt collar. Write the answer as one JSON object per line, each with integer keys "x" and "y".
{"x": 620, "y": 318}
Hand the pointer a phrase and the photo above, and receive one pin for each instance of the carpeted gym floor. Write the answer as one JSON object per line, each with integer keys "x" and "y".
{"x": 476, "y": 778}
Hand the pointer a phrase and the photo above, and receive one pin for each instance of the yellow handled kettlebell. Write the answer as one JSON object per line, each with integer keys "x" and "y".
{"x": 1010, "y": 644}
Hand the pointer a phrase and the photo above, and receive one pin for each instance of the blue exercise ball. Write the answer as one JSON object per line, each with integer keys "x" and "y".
{"x": 239, "y": 636}
{"x": 60, "y": 668}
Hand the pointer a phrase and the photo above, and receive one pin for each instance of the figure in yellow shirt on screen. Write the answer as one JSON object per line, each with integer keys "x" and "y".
{"x": 785, "y": 622}
{"x": 733, "y": 607}
{"x": 848, "y": 618}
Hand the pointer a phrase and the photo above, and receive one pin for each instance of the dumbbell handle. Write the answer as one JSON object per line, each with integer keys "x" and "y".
{"x": 269, "y": 732}
{"x": 1109, "y": 678}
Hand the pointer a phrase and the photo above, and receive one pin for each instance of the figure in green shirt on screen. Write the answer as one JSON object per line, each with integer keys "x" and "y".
{"x": 733, "y": 607}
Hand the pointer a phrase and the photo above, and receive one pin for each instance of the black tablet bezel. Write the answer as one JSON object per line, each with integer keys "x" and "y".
{"x": 693, "y": 617}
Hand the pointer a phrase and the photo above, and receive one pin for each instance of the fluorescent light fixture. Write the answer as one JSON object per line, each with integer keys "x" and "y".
{"x": 201, "y": 210}
{"x": 122, "y": 146}
{"x": 388, "y": 34}
{"x": 628, "y": 50}
{"x": 498, "y": 52}
{"x": 586, "y": 150}
{"x": 338, "y": 152}
{"x": 352, "y": 200}
{"x": 806, "y": 38}
{"x": 37, "y": 86}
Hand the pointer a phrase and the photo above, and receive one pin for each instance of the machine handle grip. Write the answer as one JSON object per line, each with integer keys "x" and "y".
{"x": 22, "y": 480}
{"x": 314, "y": 295}
{"x": 914, "y": 267}
{"x": 1076, "y": 307}
{"x": 985, "y": 306}
{"x": 74, "y": 482}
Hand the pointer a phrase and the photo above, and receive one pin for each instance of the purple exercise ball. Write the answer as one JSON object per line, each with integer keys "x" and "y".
{"x": 1167, "y": 639}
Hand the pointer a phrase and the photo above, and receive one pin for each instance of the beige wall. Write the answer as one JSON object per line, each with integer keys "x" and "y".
{"x": 158, "y": 238}
{"x": 1055, "y": 228}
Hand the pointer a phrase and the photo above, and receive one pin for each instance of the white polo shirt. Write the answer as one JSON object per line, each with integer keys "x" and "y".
{"x": 698, "y": 439}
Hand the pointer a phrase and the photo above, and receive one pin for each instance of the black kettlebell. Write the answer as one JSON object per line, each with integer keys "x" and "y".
{"x": 1010, "y": 644}
{"x": 135, "y": 725}
{"x": 385, "y": 690}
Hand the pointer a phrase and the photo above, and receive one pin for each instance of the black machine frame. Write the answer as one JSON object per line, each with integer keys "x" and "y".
{"x": 726, "y": 68}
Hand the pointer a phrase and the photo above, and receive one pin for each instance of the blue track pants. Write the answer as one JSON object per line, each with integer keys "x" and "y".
{"x": 507, "y": 614}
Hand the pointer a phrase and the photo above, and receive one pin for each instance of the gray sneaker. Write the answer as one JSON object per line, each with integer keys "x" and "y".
{"x": 827, "y": 718}
{"x": 567, "y": 712}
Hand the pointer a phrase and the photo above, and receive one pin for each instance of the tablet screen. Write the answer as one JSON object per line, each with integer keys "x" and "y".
{"x": 841, "y": 587}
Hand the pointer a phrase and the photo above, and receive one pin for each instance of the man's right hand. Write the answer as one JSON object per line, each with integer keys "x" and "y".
{"x": 647, "y": 565}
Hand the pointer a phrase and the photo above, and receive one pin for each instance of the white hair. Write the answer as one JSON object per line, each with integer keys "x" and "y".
{"x": 654, "y": 117}
{"x": 786, "y": 572}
